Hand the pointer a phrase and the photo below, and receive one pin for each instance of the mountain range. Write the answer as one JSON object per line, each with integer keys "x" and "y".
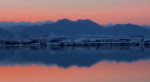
{"x": 69, "y": 27}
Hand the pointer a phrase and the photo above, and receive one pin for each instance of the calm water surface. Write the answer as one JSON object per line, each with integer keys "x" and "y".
{"x": 75, "y": 64}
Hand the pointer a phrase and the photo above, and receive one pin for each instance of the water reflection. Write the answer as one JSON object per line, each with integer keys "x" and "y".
{"x": 71, "y": 56}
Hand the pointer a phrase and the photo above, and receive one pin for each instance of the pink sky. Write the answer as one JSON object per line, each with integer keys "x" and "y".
{"x": 100, "y": 11}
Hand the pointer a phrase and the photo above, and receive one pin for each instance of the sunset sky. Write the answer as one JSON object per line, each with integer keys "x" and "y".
{"x": 100, "y": 11}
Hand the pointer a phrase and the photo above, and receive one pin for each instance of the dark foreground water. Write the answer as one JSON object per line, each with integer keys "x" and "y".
{"x": 75, "y": 64}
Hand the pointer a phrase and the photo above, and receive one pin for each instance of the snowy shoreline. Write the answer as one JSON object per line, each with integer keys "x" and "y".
{"x": 75, "y": 41}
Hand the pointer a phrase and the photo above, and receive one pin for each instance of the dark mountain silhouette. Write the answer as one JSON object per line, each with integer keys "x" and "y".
{"x": 4, "y": 32}
{"x": 85, "y": 27}
{"x": 12, "y": 24}
{"x": 17, "y": 27}
{"x": 68, "y": 27}
{"x": 146, "y": 26}
{"x": 127, "y": 29}
{"x": 108, "y": 25}
{"x": 65, "y": 27}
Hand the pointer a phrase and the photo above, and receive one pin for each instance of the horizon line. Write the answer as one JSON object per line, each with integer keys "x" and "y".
{"x": 71, "y": 20}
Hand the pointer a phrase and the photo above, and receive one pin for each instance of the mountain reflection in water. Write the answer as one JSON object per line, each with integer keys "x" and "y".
{"x": 71, "y": 56}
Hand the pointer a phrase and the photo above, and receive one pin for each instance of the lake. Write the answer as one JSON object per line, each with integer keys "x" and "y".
{"x": 74, "y": 64}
